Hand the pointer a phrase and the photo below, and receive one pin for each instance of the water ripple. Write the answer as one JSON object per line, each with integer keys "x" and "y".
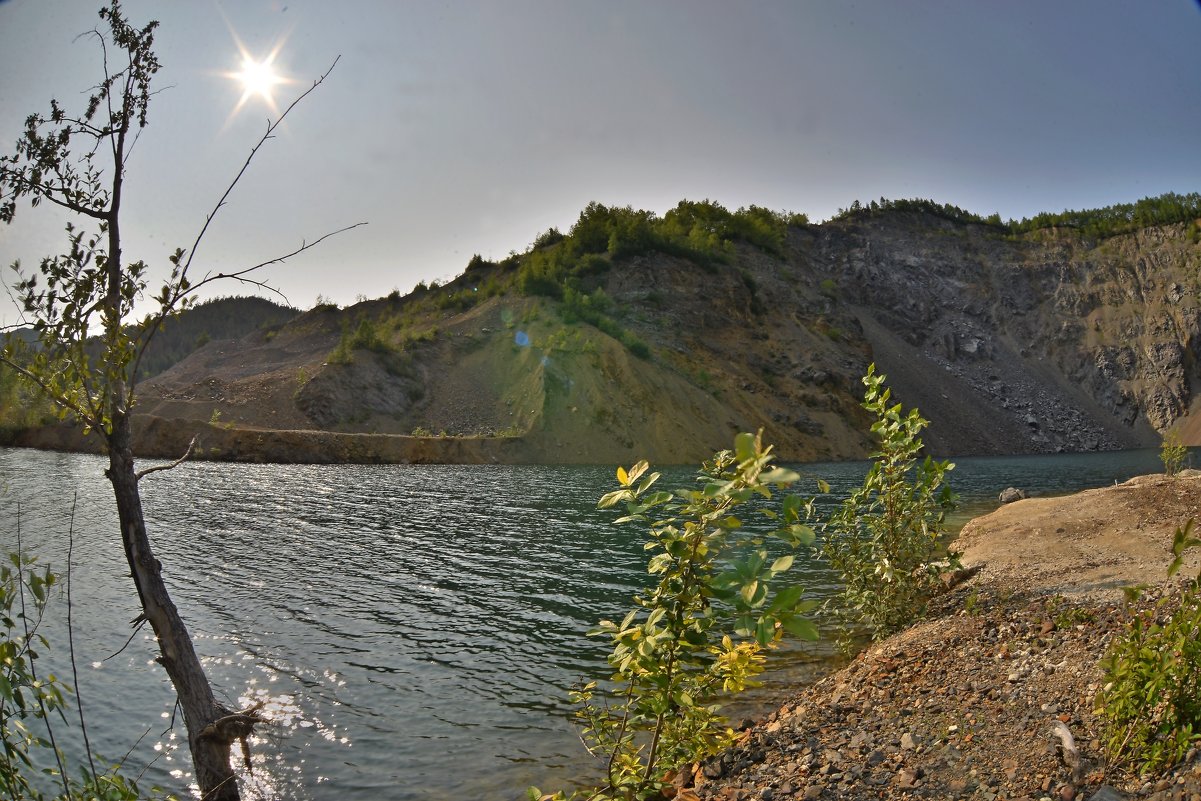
{"x": 411, "y": 630}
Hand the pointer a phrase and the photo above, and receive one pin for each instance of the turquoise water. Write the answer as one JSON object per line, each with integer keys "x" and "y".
{"x": 414, "y": 629}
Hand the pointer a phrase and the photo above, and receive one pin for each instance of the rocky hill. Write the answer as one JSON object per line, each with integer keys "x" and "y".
{"x": 637, "y": 336}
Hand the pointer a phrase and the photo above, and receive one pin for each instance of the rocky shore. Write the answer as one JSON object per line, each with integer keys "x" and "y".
{"x": 988, "y": 697}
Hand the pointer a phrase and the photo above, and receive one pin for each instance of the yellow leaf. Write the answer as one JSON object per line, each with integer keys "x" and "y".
{"x": 622, "y": 477}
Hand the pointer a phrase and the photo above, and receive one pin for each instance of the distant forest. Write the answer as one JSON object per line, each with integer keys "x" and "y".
{"x": 1100, "y": 223}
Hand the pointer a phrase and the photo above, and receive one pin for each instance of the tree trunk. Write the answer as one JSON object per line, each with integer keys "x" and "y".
{"x": 210, "y": 744}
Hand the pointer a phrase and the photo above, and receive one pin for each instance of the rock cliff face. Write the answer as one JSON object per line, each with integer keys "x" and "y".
{"x": 1062, "y": 343}
{"x": 1038, "y": 342}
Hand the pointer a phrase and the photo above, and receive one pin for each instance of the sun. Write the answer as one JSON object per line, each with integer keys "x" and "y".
{"x": 258, "y": 78}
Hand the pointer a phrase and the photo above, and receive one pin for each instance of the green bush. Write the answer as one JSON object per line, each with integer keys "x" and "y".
{"x": 1172, "y": 453}
{"x": 365, "y": 336}
{"x": 699, "y": 634}
{"x": 1151, "y": 699}
{"x": 885, "y": 537}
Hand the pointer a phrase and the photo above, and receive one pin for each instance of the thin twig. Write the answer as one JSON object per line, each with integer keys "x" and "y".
{"x": 83, "y": 726}
{"x": 158, "y": 467}
{"x": 137, "y": 622}
{"x": 237, "y": 274}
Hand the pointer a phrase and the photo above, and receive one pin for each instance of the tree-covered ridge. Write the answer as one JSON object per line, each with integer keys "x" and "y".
{"x": 920, "y": 205}
{"x": 1120, "y": 218}
{"x": 702, "y": 231}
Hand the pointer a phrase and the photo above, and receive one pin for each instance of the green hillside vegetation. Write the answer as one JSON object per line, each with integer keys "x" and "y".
{"x": 570, "y": 268}
{"x": 703, "y": 232}
{"x": 539, "y": 344}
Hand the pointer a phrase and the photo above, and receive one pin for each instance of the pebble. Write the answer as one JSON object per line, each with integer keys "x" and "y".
{"x": 953, "y": 724}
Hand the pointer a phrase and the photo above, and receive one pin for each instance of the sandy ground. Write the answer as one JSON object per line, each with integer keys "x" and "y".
{"x": 1087, "y": 545}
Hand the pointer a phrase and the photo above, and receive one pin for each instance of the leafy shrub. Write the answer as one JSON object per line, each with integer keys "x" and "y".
{"x": 365, "y": 336}
{"x": 700, "y": 633}
{"x": 1172, "y": 453}
{"x": 702, "y": 232}
{"x": 22, "y": 405}
{"x": 593, "y": 309}
{"x": 635, "y": 345}
{"x": 1151, "y": 700}
{"x": 884, "y": 538}
{"x": 459, "y": 300}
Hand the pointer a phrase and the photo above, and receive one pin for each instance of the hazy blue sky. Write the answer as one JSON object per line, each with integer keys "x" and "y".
{"x": 455, "y": 128}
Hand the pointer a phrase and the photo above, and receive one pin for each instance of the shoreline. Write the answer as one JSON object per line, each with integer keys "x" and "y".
{"x": 968, "y": 702}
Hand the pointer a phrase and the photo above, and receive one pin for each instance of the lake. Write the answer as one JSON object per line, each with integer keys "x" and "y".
{"x": 413, "y": 629}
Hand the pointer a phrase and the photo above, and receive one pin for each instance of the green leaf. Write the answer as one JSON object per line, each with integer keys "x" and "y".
{"x": 636, "y": 471}
{"x": 782, "y": 564}
{"x": 802, "y": 627}
{"x": 613, "y": 498}
{"x": 787, "y": 598}
{"x": 780, "y": 475}
{"x": 716, "y": 489}
{"x": 744, "y": 447}
{"x": 647, "y": 482}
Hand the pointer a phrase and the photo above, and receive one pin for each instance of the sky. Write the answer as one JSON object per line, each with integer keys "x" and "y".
{"x": 453, "y": 128}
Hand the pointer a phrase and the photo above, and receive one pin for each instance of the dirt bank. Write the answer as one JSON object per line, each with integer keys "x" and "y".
{"x": 964, "y": 704}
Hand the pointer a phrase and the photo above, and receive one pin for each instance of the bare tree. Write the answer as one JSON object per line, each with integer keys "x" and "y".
{"x": 78, "y": 163}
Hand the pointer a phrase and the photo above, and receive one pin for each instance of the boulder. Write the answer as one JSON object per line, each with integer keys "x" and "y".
{"x": 1011, "y": 494}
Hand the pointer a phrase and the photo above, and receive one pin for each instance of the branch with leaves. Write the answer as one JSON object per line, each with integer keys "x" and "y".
{"x": 700, "y": 632}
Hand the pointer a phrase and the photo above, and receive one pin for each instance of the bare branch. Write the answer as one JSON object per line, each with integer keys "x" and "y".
{"x": 143, "y": 473}
{"x": 277, "y": 260}
{"x": 22, "y": 320}
{"x": 271, "y": 126}
{"x": 169, "y": 305}
{"x": 137, "y": 624}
